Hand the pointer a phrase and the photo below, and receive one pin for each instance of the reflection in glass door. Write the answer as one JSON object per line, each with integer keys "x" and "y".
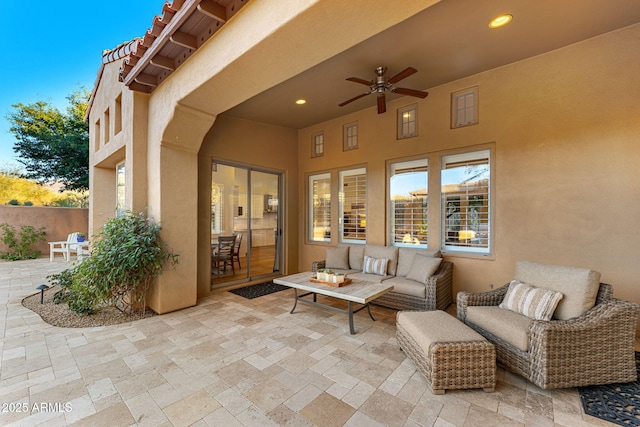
{"x": 245, "y": 204}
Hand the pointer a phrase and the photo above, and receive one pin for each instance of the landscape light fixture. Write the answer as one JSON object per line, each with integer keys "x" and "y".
{"x": 42, "y": 288}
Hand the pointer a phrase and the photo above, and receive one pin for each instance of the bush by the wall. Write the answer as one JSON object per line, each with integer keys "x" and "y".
{"x": 20, "y": 244}
{"x": 126, "y": 257}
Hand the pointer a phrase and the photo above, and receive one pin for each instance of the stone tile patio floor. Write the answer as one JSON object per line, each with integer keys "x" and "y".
{"x": 236, "y": 362}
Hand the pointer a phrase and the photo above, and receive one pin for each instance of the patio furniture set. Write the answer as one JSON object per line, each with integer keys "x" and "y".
{"x": 555, "y": 326}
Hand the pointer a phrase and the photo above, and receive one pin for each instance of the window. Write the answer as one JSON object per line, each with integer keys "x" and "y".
{"x": 408, "y": 197}
{"x": 320, "y": 208}
{"x": 318, "y": 145}
{"x": 408, "y": 122}
{"x": 465, "y": 180}
{"x": 350, "y": 137}
{"x": 97, "y": 135}
{"x": 353, "y": 205}
{"x": 464, "y": 107}
{"x": 107, "y": 127}
{"x": 117, "y": 122}
{"x": 120, "y": 189}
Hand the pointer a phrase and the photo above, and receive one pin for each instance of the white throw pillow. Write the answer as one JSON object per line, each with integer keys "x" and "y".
{"x": 535, "y": 303}
{"x": 423, "y": 267}
{"x": 375, "y": 265}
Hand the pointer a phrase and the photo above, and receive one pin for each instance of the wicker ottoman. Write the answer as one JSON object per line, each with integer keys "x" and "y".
{"x": 446, "y": 351}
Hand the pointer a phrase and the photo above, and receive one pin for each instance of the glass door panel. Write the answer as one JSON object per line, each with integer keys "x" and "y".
{"x": 244, "y": 203}
{"x": 264, "y": 223}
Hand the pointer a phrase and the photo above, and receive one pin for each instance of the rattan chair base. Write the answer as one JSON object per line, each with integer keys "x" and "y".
{"x": 452, "y": 365}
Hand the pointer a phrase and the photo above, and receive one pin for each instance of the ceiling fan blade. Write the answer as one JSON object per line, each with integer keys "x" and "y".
{"x": 402, "y": 75}
{"x": 353, "y": 99}
{"x": 382, "y": 103}
{"x": 359, "y": 80}
{"x": 410, "y": 92}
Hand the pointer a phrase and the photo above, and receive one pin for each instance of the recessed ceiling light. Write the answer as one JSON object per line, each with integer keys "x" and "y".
{"x": 501, "y": 20}
{"x": 301, "y": 101}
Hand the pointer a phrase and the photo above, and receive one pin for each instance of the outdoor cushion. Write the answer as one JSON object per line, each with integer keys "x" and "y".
{"x": 431, "y": 327}
{"x": 356, "y": 255}
{"x": 368, "y": 277}
{"x": 388, "y": 252}
{"x": 375, "y": 265}
{"x": 536, "y": 303}
{"x": 504, "y": 324}
{"x": 578, "y": 285}
{"x": 423, "y": 267}
{"x": 406, "y": 255}
{"x": 337, "y": 258}
{"x": 406, "y": 286}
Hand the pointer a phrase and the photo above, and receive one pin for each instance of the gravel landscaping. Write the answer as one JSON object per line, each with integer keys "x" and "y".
{"x": 60, "y": 315}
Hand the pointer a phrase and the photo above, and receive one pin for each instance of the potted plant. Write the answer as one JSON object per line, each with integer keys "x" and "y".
{"x": 328, "y": 276}
{"x": 80, "y": 237}
{"x": 320, "y": 275}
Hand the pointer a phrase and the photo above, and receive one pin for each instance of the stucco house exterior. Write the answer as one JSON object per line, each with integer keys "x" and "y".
{"x": 543, "y": 112}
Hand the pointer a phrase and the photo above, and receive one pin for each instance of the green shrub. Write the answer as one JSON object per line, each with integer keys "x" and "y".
{"x": 20, "y": 246}
{"x": 126, "y": 257}
{"x": 13, "y": 202}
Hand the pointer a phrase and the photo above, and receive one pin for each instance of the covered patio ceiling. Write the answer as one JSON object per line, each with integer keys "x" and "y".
{"x": 446, "y": 42}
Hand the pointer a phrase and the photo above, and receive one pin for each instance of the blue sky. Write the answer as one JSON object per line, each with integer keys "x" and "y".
{"x": 49, "y": 49}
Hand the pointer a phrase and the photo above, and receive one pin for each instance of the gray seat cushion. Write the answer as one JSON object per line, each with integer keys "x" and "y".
{"x": 431, "y": 327}
{"x": 367, "y": 277}
{"x": 504, "y": 324}
{"x": 407, "y": 287}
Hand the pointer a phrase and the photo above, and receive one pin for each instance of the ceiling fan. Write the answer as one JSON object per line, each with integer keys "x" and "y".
{"x": 380, "y": 85}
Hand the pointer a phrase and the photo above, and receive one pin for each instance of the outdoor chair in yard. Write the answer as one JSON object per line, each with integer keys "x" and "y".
{"x": 66, "y": 247}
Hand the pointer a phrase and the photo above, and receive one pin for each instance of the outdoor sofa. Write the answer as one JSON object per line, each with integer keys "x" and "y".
{"x": 421, "y": 279}
{"x": 588, "y": 340}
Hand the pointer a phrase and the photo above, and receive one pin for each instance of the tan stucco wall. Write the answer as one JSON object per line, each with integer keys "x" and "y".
{"x": 128, "y": 144}
{"x": 564, "y": 127}
{"x": 257, "y": 145}
{"x": 58, "y": 222}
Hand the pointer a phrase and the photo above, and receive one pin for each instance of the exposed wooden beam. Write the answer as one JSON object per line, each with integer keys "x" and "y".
{"x": 164, "y": 62}
{"x": 184, "y": 39}
{"x": 140, "y": 87}
{"x": 213, "y": 10}
{"x": 147, "y": 79}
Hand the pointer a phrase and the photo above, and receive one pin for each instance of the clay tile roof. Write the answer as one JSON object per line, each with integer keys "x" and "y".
{"x": 174, "y": 36}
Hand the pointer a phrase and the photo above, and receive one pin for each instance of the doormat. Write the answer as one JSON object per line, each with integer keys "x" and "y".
{"x": 616, "y": 403}
{"x": 261, "y": 289}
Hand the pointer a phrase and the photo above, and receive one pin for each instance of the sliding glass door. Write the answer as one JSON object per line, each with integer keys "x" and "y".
{"x": 245, "y": 203}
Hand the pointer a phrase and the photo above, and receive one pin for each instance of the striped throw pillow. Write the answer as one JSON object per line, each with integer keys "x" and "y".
{"x": 535, "y": 303}
{"x": 375, "y": 266}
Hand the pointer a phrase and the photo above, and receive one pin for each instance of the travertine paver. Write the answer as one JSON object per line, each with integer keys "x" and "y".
{"x": 235, "y": 362}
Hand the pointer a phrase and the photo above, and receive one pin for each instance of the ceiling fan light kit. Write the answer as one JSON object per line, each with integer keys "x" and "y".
{"x": 381, "y": 85}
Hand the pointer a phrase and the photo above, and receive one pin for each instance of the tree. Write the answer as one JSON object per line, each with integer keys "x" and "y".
{"x": 53, "y": 146}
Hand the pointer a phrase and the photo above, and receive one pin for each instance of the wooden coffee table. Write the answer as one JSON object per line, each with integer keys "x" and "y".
{"x": 359, "y": 291}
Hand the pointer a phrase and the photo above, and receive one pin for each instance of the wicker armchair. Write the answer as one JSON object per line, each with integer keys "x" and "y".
{"x": 595, "y": 348}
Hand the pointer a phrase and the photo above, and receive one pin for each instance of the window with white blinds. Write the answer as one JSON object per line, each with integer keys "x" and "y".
{"x": 466, "y": 202}
{"x": 320, "y": 208}
{"x": 408, "y": 201}
{"x": 353, "y": 205}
